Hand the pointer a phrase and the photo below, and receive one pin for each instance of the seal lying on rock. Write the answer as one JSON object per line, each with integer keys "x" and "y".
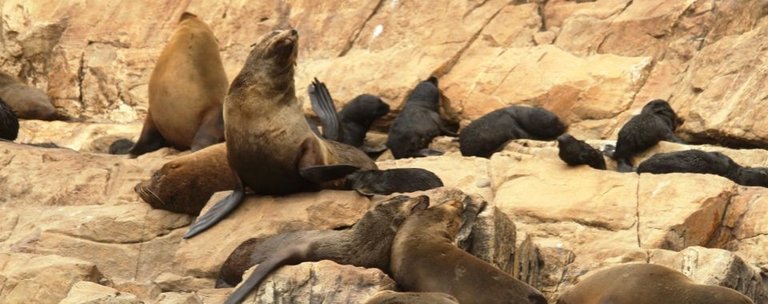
{"x": 697, "y": 161}
{"x": 418, "y": 123}
{"x": 9, "y": 123}
{"x": 385, "y": 182}
{"x": 640, "y": 283}
{"x": 366, "y": 244}
{"x": 425, "y": 259}
{"x": 186, "y": 91}
{"x": 656, "y": 122}
{"x": 26, "y": 101}
{"x": 393, "y": 297}
{"x": 576, "y": 152}
{"x": 488, "y": 134}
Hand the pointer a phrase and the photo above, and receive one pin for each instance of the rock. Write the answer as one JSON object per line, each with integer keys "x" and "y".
{"x": 176, "y": 283}
{"x": 310, "y": 283}
{"x": 178, "y": 298}
{"x": 85, "y": 292}
{"x": 86, "y": 137}
{"x": 26, "y": 278}
{"x": 493, "y": 239}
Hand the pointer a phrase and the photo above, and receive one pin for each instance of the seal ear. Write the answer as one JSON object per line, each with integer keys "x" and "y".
{"x": 423, "y": 203}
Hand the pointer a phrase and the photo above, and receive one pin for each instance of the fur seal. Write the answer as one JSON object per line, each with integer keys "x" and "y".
{"x": 640, "y": 283}
{"x": 366, "y": 244}
{"x": 186, "y": 90}
{"x": 26, "y": 101}
{"x": 385, "y": 182}
{"x": 656, "y": 122}
{"x": 9, "y": 123}
{"x": 697, "y": 161}
{"x": 184, "y": 184}
{"x": 418, "y": 123}
{"x": 576, "y": 152}
{"x": 393, "y": 297}
{"x": 270, "y": 146}
{"x": 489, "y": 133}
{"x": 425, "y": 259}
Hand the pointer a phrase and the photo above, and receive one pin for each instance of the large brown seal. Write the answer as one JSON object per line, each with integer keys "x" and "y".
{"x": 185, "y": 184}
{"x": 270, "y": 146}
{"x": 366, "y": 244}
{"x": 425, "y": 259}
{"x": 26, "y": 101}
{"x": 640, "y": 283}
{"x": 186, "y": 91}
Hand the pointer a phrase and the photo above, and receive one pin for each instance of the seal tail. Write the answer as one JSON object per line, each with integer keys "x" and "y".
{"x": 322, "y": 104}
{"x": 260, "y": 273}
{"x": 217, "y": 212}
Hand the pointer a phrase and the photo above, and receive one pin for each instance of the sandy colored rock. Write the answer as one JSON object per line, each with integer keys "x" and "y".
{"x": 178, "y": 298}
{"x": 85, "y": 292}
{"x": 27, "y": 278}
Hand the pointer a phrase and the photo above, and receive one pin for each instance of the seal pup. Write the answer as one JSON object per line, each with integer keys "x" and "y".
{"x": 640, "y": 283}
{"x": 184, "y": 184}
{"x": 186, "y": 90}
{"x": 697, "y": 161}
{"x": 489, "y": 133}
{"x": 270, "y": 146}
{"x": 656, "y": 122}
{"x": 576, "y": 152}
{"x": 367, "y": 244}
{"x": 26, "y": 101}
{"x": 9, "y": 123}
{"x": 385, "y": 182}
{"x": 418, "y": 123}
{"x": 394, "y": 297}
{"x": 351, "y": 124}
{"x": 425, "y": 259}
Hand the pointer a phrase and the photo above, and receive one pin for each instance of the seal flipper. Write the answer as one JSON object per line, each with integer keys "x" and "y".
{"x": 211, "y": 130}
{"x": 624, "y": 165}
{"x": 322, "y": 104}
{"x": 325, "y": 173}
{"x": 149, "y": 140}
{"x": 430, "y": 152}
{"x": 218, "y": 211}
{"x": 292, "y": 257}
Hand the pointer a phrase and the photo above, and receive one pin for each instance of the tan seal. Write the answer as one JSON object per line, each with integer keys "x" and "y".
{"x": 424, "y": 259}
{"x": 185, "y": 184}
{"x": 270, "y": 146}
{"x": 186, "y": 91}
{"x": 26, "y": 101}
{"x": 640, "y": 283}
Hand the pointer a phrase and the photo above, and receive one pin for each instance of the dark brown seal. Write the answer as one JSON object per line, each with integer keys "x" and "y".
{"x": 26, "y": 101}
{"x": 185, "y": 184}
{"x": 186, "y": 91}
{"x": 640, "y": 283}
{"x": 366, "y": 244}
{"x": 576, "y": 152}
{"x": 425, "y": 259}
{"x": 270, "y": 146}
{"x": 9, "y": 123}
{"x": 393, "y": 297}
{"x": 697, "y": 161}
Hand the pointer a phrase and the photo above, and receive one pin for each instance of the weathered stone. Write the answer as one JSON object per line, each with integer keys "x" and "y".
{"x": 29, "y": 278}
{"x": 175, "y": 283}
{"x": 85, "y": 292}
{"x": 178, "y": 298}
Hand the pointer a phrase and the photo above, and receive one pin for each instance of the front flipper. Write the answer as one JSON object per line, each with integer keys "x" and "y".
{"x": 325, "y": 173}
{"x": 430, "y": 152}
{"x": 218, "y": 211}
{"x": 322, "y": 104}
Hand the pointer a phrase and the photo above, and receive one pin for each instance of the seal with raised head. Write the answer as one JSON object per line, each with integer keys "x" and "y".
{"x": 576, "y": 152}
{"x": 367, "y": 244}
{"x": 489, "y": 133}
{"x": 641, "y": 283}
{"x": 656, "y": 122}
{"x": 185, "y": 184}
{"x": 186, "y": 90}
{"x": 424, "y": 259}
{"x": 270, "y": 146}
{"x": 9, "y": 123}
{"x": 418, "y": 123}
{"x": 26, "y": 101}
{"x": 394, "y": 297}
{"x": 697, "y": 161}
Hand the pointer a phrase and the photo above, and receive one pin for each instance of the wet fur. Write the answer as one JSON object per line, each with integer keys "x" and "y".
{"x": 489, "y": 133}
{"x": 9, "y": 123}
{"x": 576, "y": 152}
{"x": 389, "y": 181}
{"x": 697, "y": 161}
{"x": 656, "y": 122}
{"x": 358, "y": 115}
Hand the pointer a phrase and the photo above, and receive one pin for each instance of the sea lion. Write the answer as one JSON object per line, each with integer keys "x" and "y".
{"x": 418, "y": 123}
{"x": 270, "y": 146}
{"x": 640, "y": 283}
{"x": 656, "y": 122}
{"x": 576, "y": 152}
{"x": 489, "y": 133}
{"x": 425, "y": 259}
{"x": 385, "y": 182}
{"x": 393, "y": 297}
{"x": 697, "y": 161}
{"x": 186, "y": 90}
{"x": 26, "y": 101}
{"x": 185, "y": 184}
{"x": 9, "y": 123}
{"x": 366, "y": 244}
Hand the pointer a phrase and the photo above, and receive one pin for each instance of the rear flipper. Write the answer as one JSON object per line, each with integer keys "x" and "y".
{"x": 262, "y": 271}
{"x": 121, "y": 146}
{"x": 429, "y": 152}
{"x": 322, "y": 104}
{"x": 624, "y": 165}
{"x": 325, "y": 173}
{"x": 149, "y": 140}
{"x": 211, "y": 130}
{"x": 217, "y": 212}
